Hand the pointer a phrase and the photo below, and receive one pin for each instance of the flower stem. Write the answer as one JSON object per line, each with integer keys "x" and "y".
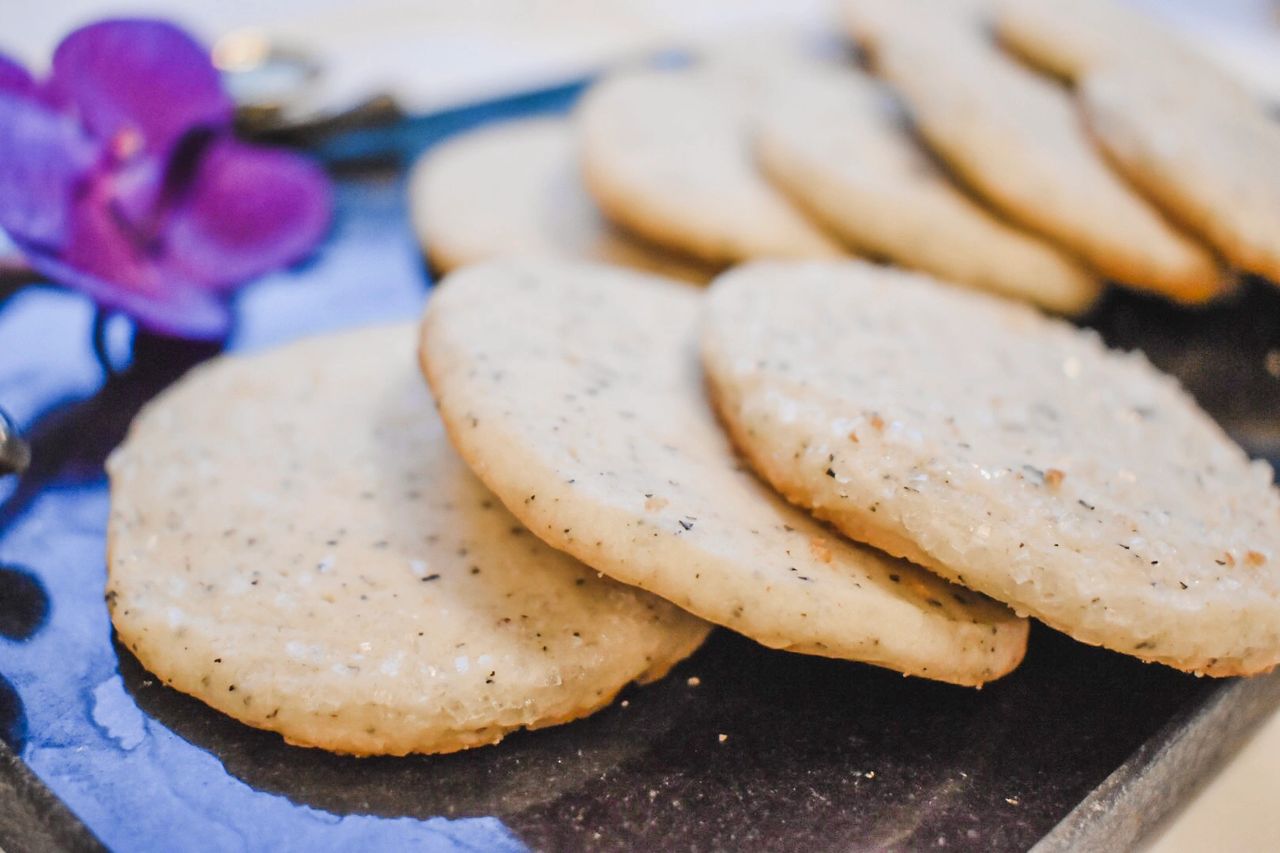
{"x": 101, "y": 318}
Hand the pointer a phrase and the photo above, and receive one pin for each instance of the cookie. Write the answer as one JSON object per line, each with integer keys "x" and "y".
{"x": 867, "y": 21}
{"x": 1009, "y": 452}
{"x": 515, "y": 189}
{"x": 837, "y": 143}
{"x": 1070, "y": 39}
{"x": 575, "y": 394}
{"x": 1016, "y": 140}
{"x": 666, "y": 155}
{"x": 1211, "y": 162}
{"x": 293, "y": 541}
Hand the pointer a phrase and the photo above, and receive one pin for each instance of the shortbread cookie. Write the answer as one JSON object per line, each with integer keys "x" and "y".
{"x": 1070, "y": 39}
{"x": 867, "y": 21}
{"x": 667, "y": 156}
{"x": 574, "y": 392}
{"x": 515, "y": 190}
{"x": 837, "y": 143}
{"x": 1212, "y": 162}
{"x": 1016, "y": 139}
{"x": 293, "y": 541}
{"x": 1009, "y": 452}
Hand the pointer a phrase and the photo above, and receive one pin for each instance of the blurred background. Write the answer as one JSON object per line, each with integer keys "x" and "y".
{"x": 430, "y": 54}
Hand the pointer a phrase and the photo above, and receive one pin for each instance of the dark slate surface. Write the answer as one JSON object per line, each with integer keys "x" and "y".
{"x": 818, "y": 754}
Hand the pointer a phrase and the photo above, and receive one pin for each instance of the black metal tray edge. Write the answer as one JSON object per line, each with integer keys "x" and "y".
{"x": 1136, "y": 800}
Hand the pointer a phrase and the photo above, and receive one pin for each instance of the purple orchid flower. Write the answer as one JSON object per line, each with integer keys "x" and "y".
{"x": 120, "y": 178}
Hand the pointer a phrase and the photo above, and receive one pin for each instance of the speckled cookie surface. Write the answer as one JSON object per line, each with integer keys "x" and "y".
{"x": 575, "y": 393}
{"x": 1012, "y": 453}
{"x": 293, "y": 541}
{"x": 1016, "y": 139}
{"x": 667, "y": 156}
{"x": 515, "y": 190}
{"x": 836, "y": 141}
{"x": 1212, "y": 162}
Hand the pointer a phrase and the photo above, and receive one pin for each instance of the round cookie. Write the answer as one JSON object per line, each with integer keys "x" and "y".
{"x": 1016, "y": 139}
{"x": 1211, "y": 162}
{"x": 1070, "y": 39}
{"x": 867, "y": 21}
{"x": 1067, "y": 40}
{"x": 515, "y": 189}
{"x": 838, "y": 144}
{"x": 293, "y": 541}
{"x": 1009, "y": 452}
{"x": 574, "y": 392}
{"x": 667, "y": 156}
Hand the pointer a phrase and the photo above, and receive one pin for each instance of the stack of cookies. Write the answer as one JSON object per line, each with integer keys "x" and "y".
{"x": 830, "y": 456}
{"x": 1031, "y": 148}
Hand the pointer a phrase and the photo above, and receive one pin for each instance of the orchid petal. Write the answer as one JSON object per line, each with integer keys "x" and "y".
{"x": 249, "y": 210}
{"x": 108, "y": 260}
{"x": 138, "y": 84}
{"x": 102, "y": 244}
{"x": 15, "y": 80}
{"x": 137, "y": 191}
{"x": 186, "y": 312}
{"x": 42, "y": 156}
